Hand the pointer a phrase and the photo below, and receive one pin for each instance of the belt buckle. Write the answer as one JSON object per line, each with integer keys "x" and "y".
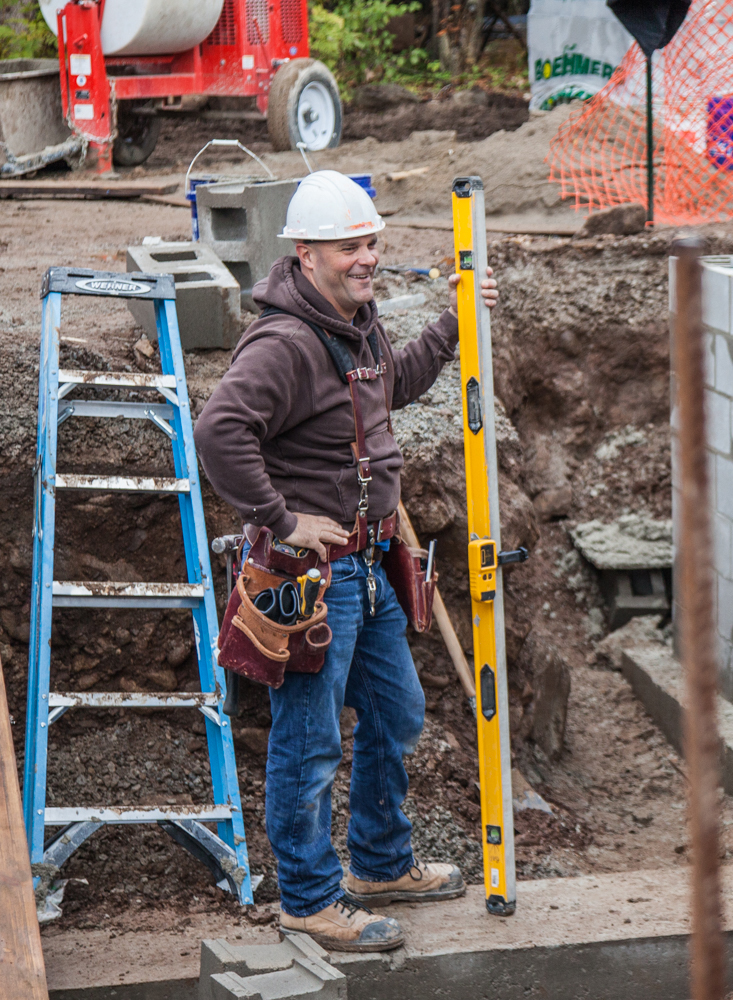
{"x": 379, "y": 529}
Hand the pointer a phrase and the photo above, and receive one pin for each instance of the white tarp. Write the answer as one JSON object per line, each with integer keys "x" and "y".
{"x": 574, "y": 47}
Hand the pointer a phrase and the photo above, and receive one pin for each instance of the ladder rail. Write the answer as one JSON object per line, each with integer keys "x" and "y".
{"x": 39, "y": 673}
{"x": 225, "y": 784}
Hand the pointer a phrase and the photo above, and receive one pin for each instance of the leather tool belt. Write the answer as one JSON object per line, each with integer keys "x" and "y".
{"x": 252, "y": 644}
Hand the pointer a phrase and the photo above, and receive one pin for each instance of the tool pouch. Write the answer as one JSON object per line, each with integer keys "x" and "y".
{"x": 256, "y": 647}
{"x": 405, "y": 568}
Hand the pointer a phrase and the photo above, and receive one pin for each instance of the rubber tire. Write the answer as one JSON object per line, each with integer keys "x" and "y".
{"x": 137, "y": 136}
{"x": 282, "y": 109}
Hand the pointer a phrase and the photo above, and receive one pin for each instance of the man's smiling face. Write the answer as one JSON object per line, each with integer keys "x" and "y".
{"x": 341, "y": 270}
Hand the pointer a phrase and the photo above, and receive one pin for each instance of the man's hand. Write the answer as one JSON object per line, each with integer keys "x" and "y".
{"x": 489, "y": 291}
{"x": 312, "y": 531}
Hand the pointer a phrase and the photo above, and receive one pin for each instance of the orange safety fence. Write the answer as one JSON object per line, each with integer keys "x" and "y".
{"x": 599, "y": 155}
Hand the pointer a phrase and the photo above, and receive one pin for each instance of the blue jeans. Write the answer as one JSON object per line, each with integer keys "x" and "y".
{"x": 368, "y": 667}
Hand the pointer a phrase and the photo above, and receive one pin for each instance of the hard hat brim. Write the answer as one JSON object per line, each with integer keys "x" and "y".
{"x": 331, "y": 239}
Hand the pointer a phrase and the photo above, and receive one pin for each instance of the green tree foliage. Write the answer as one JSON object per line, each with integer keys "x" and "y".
{"x": 355, "y": 42}
{"x": 23, "y": 32}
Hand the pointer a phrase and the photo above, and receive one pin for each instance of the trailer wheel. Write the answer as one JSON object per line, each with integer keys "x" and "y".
{"x": 304, "y": 106}
{"x": 138, "y": 128}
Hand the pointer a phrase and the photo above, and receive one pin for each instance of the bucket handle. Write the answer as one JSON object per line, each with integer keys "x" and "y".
{"x": 227, "y": 142}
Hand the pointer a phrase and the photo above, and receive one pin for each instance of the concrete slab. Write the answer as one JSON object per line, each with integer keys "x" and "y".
{"x": 606, "y": 937}
{"x": 658, "y": 682}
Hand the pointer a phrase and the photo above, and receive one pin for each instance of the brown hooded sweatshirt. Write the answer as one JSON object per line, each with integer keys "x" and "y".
{"x": 275, "y": 436}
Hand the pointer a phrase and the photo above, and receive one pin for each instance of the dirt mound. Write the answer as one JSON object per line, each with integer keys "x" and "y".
{"x": 503, "y": 111}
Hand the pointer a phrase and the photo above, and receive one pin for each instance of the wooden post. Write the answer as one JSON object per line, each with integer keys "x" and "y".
{"x": 22, "y": 972}
{"x": 697, "y": 629}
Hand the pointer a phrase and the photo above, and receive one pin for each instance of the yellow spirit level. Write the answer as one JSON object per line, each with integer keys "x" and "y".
{"x": 487, "y": 603}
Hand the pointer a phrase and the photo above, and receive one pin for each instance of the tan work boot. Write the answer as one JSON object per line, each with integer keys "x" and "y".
{"x": 347, "y": 926}
{"x": 423, "y": 883}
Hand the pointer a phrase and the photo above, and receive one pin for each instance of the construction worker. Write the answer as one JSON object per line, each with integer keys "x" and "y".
{"x": 275, "y": 440}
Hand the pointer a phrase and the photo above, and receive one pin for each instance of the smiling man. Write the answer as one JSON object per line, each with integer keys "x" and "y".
{"x": 275, "y": 440}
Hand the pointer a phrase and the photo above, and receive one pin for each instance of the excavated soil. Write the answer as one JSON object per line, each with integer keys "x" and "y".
{"x": 581, "y": 356}
{"x": 180, "y": 140}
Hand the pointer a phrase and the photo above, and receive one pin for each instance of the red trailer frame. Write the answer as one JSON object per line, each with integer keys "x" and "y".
{"x": 251, "y": 39}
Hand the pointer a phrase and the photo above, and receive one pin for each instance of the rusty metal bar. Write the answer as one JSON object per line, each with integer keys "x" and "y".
{"x": 697, "y": 629}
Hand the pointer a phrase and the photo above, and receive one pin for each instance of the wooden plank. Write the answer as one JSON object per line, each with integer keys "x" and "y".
{"x": 84, "y": 189}
{"x": 22, "y": 972}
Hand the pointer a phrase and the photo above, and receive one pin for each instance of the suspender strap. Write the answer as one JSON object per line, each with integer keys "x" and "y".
{"x": 343, "y": 362}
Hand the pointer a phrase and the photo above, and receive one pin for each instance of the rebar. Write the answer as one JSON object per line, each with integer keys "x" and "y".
{"x": 697, "y": 628}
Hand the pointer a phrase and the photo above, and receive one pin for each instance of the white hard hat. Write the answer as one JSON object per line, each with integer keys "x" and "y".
{"x": 330, "y": 206}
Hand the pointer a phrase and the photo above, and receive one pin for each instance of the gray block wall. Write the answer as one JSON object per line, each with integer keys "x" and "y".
{"x": 718, "y": 323}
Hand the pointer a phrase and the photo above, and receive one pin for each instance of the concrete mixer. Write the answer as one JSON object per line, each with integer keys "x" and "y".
{"x": 121, "y": 60}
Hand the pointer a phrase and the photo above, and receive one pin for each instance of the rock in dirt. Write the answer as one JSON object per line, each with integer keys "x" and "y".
{"x": 632, "y": 541}
{"x": 621, "y": 220}
{"x": 475, "y": 97}
{"x": 640, "y": 631}
{"x": 551, "y": 685}
{"x": 380, "y": 96}
{"x": 554, "y": 502}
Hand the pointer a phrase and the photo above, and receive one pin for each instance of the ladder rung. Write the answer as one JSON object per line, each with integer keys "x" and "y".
{"x": 109, "y": 408}
{"x": 125, "y": 484}
{"x": 140, "y": 381}
{"x": 131, "y": 699}
{"x": 121, "y": 814}
{"x": 110, "y": 594}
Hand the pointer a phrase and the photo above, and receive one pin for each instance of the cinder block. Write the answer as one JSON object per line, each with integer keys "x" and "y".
{"x": 207, "y": 296}
{"x": 306, "y": 977}
{"x": 717, "y": 412}
{"x": 240, "y": 221}
{"x": 722, "y": 545}
{"x": 219, "y": 956}
{"x": 716, "y": 297}
{"x": 725, "y": 608}
{"x": 637, "y": 592}
{"x": 709, "y": 360}
{"x": 722, "y": 487}
{"x": 723, "y": 365}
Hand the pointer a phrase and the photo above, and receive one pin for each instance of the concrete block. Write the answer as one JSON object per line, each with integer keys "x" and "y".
{"x": 721, "y": 487}
{"x": 717, "y": 411}
{"x": 725, "y": 608}
{"x": 709, "y": 358}
{"x": 219, "y": 956}
{"x": 716, "y": 297}
{"x": 639, "y": 592}
{"x": 722, "y": 539}
{"x": 724, "y": 365}
{"x": 207, "y": 296}
{"x": 306, "y": 977}
{"x": 240, "y": 221}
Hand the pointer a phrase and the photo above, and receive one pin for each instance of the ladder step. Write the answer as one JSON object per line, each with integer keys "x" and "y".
{"x": 131, "y": 699}
{"x": 121, "y": 814}
{"x": 140, "y": 381}
{"x": 109, "y": 408}
{"x": 125, "y": 484}
{"x": 109, "y": 594}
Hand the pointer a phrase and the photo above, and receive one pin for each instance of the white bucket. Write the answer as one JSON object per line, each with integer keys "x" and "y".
{"x": 149, "y": 27}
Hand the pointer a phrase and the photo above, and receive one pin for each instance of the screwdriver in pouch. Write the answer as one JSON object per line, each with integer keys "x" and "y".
{"x": 310, "y": 585}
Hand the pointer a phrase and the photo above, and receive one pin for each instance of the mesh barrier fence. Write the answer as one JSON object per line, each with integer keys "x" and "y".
{"x": 599, "y": 154}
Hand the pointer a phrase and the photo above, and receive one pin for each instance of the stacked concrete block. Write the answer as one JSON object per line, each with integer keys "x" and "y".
{"x": 240, "y": 221}
{"x": 207, "y": 296}
{"x": 295, "y": 967}
{"x": 718, "y": 322}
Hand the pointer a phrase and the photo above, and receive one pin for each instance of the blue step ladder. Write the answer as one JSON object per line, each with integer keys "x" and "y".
{"x": 226, "y": 853}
